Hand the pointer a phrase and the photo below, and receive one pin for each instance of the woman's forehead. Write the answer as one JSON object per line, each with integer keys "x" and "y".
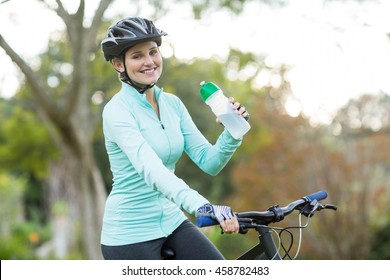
{"x": 143, "y": 46}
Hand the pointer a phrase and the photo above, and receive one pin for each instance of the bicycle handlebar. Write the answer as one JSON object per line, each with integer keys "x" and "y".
{"x": 320, "y": 195}
{"x": 274, "y": 213}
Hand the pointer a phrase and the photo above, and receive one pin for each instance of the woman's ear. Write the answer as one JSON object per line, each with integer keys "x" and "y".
{"x": 118, "y": 64}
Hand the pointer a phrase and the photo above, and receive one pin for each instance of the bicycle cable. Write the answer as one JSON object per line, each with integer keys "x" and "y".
{"x": 287, "y": 251}
{"x": 279, "y": 242}
{"x": 300, "y": 227}
{"x": 300, "y": 236}
{"x": 287, "y": 229}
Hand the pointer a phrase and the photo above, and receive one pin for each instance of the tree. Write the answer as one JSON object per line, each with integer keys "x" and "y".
{"x": 362, "y": 127}
{"x": 67, "y": 114}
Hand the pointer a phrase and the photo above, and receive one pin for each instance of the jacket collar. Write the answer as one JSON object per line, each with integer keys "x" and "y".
{"x": 140, "y": 97}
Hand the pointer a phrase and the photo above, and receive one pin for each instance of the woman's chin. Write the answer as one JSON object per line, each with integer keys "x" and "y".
{"x": 146, "y": 82}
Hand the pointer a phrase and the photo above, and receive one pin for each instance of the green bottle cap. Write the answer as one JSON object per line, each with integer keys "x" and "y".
{"x": 207, "y": 89}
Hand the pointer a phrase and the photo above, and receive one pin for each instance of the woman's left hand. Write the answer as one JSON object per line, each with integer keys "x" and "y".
{"x": 239, "y": 108}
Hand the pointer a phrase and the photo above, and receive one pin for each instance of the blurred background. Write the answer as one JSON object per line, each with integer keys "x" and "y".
{"x": 314, "y": 74}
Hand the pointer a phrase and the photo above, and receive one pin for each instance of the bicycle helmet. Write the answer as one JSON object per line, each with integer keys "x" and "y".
{"x": 127, "y": 33}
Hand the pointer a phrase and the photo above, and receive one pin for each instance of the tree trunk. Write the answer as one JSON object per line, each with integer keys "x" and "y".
{"x": 75, "y": 197}
{"x": 91, "y": 203}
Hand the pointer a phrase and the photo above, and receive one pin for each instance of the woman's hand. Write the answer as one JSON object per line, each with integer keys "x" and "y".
{"x": 221, "y": 213}
{"x": 241, "y": 110}
{"x": 230, "y": 225}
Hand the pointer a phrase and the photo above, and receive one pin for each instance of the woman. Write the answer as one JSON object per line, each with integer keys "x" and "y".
{"x": 146, "y": 130}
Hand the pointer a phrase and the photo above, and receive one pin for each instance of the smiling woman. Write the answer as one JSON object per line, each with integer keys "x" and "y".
{"x": 141, "y": 65}
{"x": 143, "y": 61}
{"x": 146, "y": 131}
{"x": 132, "y": 46}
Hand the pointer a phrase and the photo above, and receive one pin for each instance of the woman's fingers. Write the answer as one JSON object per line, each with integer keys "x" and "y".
{"x": 230, "y": 226}
{"x": 241, "y": 110}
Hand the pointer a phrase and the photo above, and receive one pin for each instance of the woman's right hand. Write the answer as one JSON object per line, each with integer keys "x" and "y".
{"x": 223, "y": 214}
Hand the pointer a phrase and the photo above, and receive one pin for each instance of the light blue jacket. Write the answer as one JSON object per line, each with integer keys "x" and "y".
{"x": 147, "y": 197}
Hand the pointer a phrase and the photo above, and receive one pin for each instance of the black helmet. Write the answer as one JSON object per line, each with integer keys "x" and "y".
{"x": 127, "y": 33}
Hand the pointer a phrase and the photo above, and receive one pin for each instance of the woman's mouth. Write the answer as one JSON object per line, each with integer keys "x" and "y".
{"x": 148, "y": 71}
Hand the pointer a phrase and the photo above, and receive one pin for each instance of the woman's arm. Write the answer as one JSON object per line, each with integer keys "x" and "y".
{"x": 210, "y": 158}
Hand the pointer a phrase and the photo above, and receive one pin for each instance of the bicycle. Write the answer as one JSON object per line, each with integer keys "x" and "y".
{"x": 267, "y": 249}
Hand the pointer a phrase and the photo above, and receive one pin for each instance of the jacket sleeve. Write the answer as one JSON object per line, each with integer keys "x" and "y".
{"x": 210, "y": 158}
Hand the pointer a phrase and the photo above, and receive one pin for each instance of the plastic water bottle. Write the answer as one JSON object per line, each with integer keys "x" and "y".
{"x": 213, "y": 96}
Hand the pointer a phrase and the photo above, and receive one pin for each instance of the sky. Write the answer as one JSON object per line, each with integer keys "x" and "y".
{"x": 336, "y": 51}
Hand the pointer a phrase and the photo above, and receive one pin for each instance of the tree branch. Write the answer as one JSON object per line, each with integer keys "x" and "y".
{"x": 62, "y": 13}
{"x": 97, "y": 20}
{"x": 82, "y": 44}
{"x": 74, "y": 30}
{"x": 75, "y": 33}
{"x": 39, "y": 90}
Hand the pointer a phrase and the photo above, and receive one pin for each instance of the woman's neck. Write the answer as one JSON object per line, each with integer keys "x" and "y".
{"x": 149, "y": 94}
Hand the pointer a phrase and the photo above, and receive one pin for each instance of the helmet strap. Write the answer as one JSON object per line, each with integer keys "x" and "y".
{"x": 125, "y": 78}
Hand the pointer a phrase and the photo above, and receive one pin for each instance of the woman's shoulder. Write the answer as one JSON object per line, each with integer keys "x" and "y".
{"x": 117, "y": 103}
{"x": 171, "y": 98}
{"x": 113, "y": 100}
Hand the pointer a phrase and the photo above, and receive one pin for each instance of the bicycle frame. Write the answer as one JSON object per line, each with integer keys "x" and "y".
{"x": 265, "y": 250}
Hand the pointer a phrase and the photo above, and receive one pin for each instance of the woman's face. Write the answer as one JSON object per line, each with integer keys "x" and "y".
{"x": 143, "y": 63}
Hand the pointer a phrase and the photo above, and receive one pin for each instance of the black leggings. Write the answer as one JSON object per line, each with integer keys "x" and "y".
{"x": 188, "y": 242}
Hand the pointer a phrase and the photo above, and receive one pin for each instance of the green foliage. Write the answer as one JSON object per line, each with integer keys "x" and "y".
{"x": 56, "y": 65}
{"x": 25, "y": 142}
{"x": 25, "y": 238}
{"x": 18, "y": 238}
{"x": 11, "y": 194}
{"x": 380, "y": 244}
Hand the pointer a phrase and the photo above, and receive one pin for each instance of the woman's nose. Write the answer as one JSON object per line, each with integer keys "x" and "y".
{"x": 148, "y": 60}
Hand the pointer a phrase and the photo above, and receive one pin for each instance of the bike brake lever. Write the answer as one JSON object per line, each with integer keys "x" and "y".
{"x": 240, "y": 231}
{"x": 309, "y": 209}
{"x": 330, "y": 206}
{"x": 243, "y": 230}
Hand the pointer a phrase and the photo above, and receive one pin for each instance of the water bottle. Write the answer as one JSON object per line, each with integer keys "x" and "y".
{"x": 213, "y": 96}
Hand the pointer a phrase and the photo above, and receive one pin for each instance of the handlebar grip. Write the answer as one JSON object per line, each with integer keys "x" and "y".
{"x": 320, "y": 195}
{"x": 206, "y": 222}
